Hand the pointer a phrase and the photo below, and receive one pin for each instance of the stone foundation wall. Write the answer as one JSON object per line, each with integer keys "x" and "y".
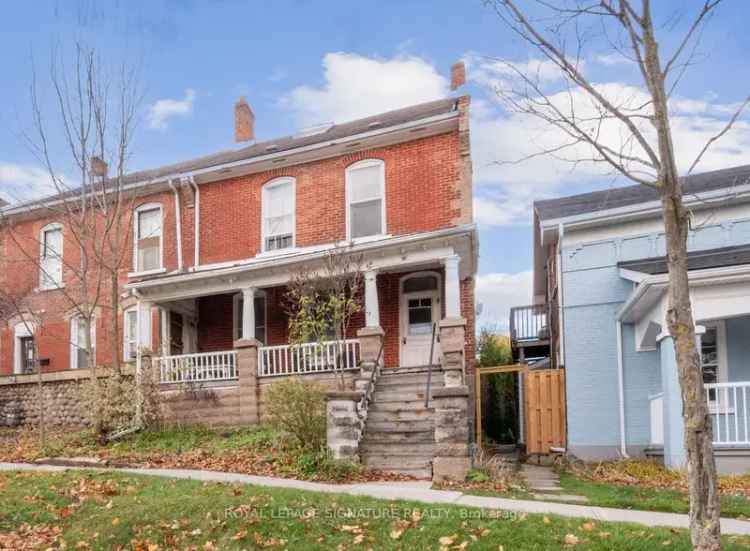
{"x": 61, "y": 399}
{"x": 219, "y": 404}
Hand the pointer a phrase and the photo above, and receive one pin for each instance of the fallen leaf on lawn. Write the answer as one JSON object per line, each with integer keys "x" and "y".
{"x": 359, "y": 539}
{"x": 239, "y": 535}
{"x": 395, "y": 534}
{"x": 447, "y": 540}
{"x": 546, "y": 520}
{"x": 667, "y": 542}
{"x": 571, "y": 539}
{"x": 115, "y": 521}
{"x": 587, "y": 526}
{"x": 196, "y": 532}
{"x": 354, "y": 529}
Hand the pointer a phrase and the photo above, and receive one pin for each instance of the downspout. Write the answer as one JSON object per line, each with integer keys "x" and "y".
{"x": 621, "y": 390}
{"x": 561, "y": 317}
{"x": 196, "y": 189}
{"x": 178, "y": 216}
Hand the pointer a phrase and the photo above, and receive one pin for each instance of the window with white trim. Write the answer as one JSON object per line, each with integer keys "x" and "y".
{"x": 78, "y": 348}
{"x": 278, "y": 204}
{"x": 148, "y": 238}
{"x": 130, "y": 334}
{"x": 51, "y": 251}
{"x": 365, "y": 196}
{"x": 260, "y": 316}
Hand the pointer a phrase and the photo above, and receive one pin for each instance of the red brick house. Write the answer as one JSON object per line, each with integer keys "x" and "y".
{"x": 215, "y": 239}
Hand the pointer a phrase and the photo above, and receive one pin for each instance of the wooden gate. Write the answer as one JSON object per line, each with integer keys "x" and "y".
{"x": 545, "y": 410}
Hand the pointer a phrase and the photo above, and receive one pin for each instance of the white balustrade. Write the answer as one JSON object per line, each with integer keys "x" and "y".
{"x": 656, "y": 407}
{"x": 308, "y": 358}
{"x": 204, "y": 367}
{"x": 728, "y": 409}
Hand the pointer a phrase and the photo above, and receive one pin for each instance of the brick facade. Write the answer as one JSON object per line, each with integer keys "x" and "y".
{"x": 428, "y": 187}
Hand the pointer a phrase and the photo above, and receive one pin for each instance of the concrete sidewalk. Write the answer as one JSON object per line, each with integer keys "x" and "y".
{"x": 417, "y": 491}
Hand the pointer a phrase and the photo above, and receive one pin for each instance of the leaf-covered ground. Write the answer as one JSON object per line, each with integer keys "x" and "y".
{"x": 84, "y": 510}
{"x": 246, "y": 450}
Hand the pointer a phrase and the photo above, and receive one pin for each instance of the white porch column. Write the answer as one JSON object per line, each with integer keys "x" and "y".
{"x": 144, "y": 324}
{"x": 248, "y": 313}
{"x": 452, "y": 287}
{"x": 372, "y": 308}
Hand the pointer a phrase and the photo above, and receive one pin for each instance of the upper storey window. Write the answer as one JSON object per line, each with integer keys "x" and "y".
{"x": 278, "y": 214}
{"x": 51, "y": 251}
{"x": 148, "y": 238}
{"x": 365, "y": 196}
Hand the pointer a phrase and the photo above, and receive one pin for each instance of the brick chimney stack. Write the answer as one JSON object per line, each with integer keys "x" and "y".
{"x": 244, "y": 121}
{"x": 458, "y": 75}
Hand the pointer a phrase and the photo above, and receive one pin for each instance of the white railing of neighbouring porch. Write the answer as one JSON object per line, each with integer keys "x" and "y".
{"x": 204, "y": 367}
{"x": 729, "y": 410}
{"x": 307, "y": 358}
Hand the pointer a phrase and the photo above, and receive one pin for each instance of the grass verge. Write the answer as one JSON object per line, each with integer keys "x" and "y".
{"x": 85, "y": 510}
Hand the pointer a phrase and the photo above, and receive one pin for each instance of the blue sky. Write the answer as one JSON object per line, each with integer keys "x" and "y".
{"x": 301, "y": 62}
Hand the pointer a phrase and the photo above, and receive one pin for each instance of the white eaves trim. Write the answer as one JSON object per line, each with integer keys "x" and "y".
{"x": 649, "y": 208}
{"x": 632, "y": 275}
{"x": 657, "y": 284}
{"x": 435, "y": 119}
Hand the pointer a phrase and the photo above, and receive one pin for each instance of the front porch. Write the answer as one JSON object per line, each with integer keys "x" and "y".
{"x": 721, "y": 309}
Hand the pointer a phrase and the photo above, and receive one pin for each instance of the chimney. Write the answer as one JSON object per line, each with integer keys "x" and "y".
{"x": 98, "y": 167}
{"x": 244, "y": 121}
{"x": 458, "y": 75}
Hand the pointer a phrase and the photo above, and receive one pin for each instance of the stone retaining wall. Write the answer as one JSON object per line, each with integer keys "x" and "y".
{"x": 61, "y": 398}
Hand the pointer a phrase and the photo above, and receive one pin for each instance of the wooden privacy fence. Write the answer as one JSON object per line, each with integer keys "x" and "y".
{"x": 545, "y": 410}
{"x": 542, "y": 396}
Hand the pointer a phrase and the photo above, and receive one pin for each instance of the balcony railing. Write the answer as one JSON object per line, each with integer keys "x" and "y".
{"x": 307, "y": 358}
{"x": 729, "y": 410}
{"x": 529, "y": 323}
{"x": 204, "y": 367}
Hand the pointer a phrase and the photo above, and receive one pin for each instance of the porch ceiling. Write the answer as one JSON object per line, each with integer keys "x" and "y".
{"x": 389, "y": 254}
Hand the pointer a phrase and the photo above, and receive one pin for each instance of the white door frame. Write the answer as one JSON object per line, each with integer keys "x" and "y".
{"x": 403, "y": 298}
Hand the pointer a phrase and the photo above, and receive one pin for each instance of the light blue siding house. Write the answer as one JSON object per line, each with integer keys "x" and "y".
{"x": 599, "y": 266}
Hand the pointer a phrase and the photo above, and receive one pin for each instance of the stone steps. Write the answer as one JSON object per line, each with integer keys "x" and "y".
{"x": 399, "y": 434}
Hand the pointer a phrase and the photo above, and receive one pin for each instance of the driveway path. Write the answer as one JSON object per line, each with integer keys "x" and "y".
{"x": 421, "y": 492}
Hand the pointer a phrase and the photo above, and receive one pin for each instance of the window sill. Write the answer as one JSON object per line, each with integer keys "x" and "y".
{"x": 148, "y": 273}
{"x": 52, "y": 288}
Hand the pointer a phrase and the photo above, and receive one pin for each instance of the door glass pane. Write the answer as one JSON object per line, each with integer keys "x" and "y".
{"x": 420, "y": 316}
{"x": 710, "y": 356}
{"x": 366, "y": 218}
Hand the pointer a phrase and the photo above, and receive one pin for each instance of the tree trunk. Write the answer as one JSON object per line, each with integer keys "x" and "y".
{"x": 701, "y": 467}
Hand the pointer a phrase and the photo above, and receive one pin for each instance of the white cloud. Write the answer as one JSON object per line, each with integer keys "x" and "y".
{"x": 19, "y": 183}
{"x": 497, "y": 293}
{"x": 161, "y": 111}
{"x": 613, "y": 59}
{"x": 356, "y": 86}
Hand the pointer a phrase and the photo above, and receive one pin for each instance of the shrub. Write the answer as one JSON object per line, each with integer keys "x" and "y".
{"x": 321, "y": 465}
{"x": 477, "y": 476}
{"x": 298, "y": 408}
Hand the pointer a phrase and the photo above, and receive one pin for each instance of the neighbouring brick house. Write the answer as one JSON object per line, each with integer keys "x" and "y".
{"x": 216, "y": 239}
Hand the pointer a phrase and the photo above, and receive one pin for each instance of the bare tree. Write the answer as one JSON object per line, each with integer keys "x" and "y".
{"x": 322, "y": 304}
{"x": 589, "y": 115}
{"x": 96, "y": 116}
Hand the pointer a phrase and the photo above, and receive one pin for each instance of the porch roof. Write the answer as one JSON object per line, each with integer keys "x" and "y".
{"x": 264, "y": 270}
{"x": 697, "y": 260}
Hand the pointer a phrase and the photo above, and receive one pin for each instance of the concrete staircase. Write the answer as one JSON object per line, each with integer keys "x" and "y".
{"x": 399, "y": 434}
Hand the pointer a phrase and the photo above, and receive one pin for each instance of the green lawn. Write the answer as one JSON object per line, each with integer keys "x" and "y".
{"x": 112, "y": 511}
{"x": 644, "y": 498}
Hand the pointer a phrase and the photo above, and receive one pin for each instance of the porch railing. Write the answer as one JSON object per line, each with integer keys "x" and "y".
{"x": 528, "y": 323}
{"x": 203, "y": 367}
{"x": 729, "y": 410}
{"x": 307, "y": 358}
{"x": 656, "y": 407}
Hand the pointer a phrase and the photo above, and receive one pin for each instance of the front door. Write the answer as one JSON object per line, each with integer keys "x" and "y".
{"x": 420, "y": 310}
